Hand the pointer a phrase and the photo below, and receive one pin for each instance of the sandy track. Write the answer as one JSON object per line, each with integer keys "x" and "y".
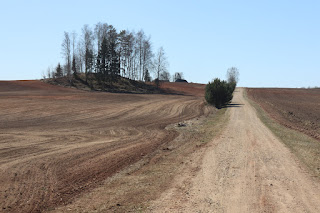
{"x": 246, "y": 169}
{"x": 57, "y": 142}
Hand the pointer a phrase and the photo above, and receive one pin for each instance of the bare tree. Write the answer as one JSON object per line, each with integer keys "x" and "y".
{"x": 49, "y": 72}
{"x": 122, "y": 52}
{"x": 100, "y": 32}
{"x": 74, "y": 41}
{"x": 178, "y": 75}
{"x": 130, "y": 53}
{"x": 53, "y": 71}
{"x": 160, "y": 63}
{"x": 233, "y": 75}
{"x": 147, "y": 57}
{"x": 143, "y": 52}
{"x": 66, "y": 52}
{"x": 43, "y": 74}
{"x": 88, "y": 39}
{"x": 165, "y": 76}
{"x": 139, "y": 48}
{"x": 74, "y": 60}
{"x": 79, "y": 57}
{"x": 127, "y": 53}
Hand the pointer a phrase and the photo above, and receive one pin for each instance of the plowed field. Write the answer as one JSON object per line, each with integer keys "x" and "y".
{"x": 298, "y": 109}
{"x": 56, "y": 143}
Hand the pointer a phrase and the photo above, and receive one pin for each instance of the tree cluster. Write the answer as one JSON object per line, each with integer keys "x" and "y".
{"x": 105, "y": 54}
{"x": 219, "y": 92}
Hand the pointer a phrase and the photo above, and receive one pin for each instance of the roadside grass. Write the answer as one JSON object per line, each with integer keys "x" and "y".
{"x": 306, "y": 149}
{"x": 213, "y": 125}
{"x": 134, "y": 189}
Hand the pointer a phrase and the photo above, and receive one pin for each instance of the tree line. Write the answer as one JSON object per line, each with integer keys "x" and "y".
{"x": 106, "y": 54}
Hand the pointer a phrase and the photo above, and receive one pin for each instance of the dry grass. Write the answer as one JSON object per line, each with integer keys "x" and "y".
{"x": 307, "y": 149}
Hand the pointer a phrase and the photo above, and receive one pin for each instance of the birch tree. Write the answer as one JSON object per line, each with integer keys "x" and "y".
{"x": 160, "y": 64}
{"x": 66, "y": 52}
{"x": 233, "y": 75}
{"x": 74, "y": 55}
{"x": 146, "y": 57}
{"x": 88, "y": 38}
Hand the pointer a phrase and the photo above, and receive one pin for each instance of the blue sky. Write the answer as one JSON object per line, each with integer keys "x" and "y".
{"x": 272, "y": 43}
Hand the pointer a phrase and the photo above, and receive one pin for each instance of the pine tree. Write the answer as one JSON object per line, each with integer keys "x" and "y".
{"x": 74, "y": 68}
{"x": 59, "y": 71}
{"x": 88, "y": 62}
{"x": 114, "y": 62}
{"x": 102, "y": 61}
{"x": 147, "y": 77}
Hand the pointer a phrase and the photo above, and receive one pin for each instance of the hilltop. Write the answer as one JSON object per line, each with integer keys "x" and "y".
{"x": 121, "y": 85}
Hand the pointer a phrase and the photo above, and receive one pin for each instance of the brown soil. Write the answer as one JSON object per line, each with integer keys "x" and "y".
{"x": 245, "y": 169}
{"x": 298, "y": 109}
{"x": 57, "y": 143}
{"x": 184, "y": 88}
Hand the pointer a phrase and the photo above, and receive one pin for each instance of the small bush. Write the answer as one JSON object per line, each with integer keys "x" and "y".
{"x": 219, "y": 93}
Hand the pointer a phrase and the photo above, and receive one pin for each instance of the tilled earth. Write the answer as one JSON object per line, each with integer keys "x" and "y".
{"x": 298, "y": 109}
{"x": 56, "y": 143}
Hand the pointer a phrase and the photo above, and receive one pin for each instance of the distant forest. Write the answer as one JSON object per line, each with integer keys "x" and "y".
{"x": 108, "y": 54}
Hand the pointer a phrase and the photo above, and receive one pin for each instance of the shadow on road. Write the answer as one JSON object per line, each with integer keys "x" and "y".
{"x": 232, "y": 105}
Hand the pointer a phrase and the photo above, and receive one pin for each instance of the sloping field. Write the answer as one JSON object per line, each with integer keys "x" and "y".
{"x": 185, "y": 88}
{"x": 298, "y": 109}
{"x": 56, "y": 142}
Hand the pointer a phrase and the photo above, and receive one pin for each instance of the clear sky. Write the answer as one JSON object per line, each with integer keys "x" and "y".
{"x": 273, "y": 43}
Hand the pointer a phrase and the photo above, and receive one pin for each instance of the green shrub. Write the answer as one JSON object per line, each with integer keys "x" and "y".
{"x": 219, "y": 93}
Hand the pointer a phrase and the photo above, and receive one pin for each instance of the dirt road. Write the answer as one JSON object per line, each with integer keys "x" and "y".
{"x": 246, "y": 169}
